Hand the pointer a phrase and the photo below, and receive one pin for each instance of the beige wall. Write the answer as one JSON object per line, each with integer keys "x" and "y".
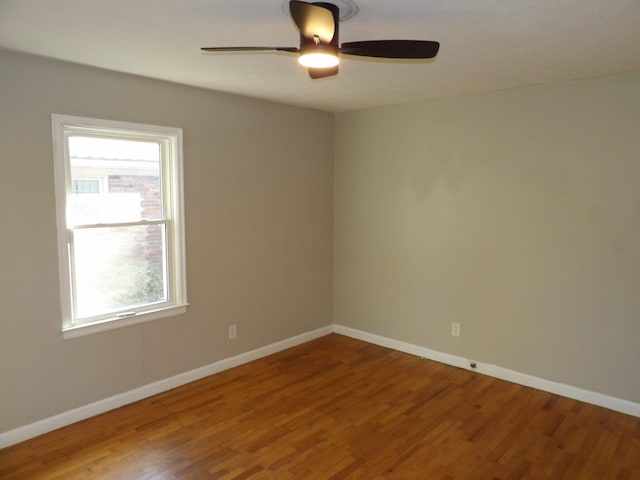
{"x": 258, "y": 187}
{"x": 515, "y": 213}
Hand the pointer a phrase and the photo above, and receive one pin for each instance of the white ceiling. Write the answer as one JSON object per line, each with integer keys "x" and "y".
{"x": 485, "y": 44}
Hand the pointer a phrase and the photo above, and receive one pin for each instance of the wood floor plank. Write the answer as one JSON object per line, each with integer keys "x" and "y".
{"x": 343, "y": 409}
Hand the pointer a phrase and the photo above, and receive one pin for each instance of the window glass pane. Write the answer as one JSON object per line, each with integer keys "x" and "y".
{"x": 129, "y": 172}
{"x": 118, "y": 268}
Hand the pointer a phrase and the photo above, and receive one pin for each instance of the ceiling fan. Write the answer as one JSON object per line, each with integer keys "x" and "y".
{"x": 318, "y": 25}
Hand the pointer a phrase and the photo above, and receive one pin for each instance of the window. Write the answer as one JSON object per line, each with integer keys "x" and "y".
{"x": 120, "y": 222}
{"x": 81, "y": 185}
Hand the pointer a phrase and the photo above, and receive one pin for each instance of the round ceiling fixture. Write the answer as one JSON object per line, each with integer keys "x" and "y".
{"x": 348, "y": 8}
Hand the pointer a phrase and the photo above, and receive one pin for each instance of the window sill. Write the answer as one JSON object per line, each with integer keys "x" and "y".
{"x": 111, "y": 324}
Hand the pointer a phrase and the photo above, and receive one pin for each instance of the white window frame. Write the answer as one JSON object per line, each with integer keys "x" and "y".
{"x": 170, "y": 139}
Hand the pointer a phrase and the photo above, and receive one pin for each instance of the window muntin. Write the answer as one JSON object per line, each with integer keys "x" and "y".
{"x": 121, "y": 235}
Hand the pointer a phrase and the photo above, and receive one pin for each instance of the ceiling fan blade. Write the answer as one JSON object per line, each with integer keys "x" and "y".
{"x": 313, "y": 20}
{"x": 316, "y": 73}
{"x": 249, "y": 49}
{"x": 392, "y": 48}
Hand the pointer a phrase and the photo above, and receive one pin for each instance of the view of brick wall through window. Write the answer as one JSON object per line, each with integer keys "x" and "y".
{"x": 149, "y": 246}
{"x": 118, "y": 266}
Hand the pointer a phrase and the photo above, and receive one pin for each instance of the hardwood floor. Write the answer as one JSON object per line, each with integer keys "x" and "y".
{"x": 340, "y": 408}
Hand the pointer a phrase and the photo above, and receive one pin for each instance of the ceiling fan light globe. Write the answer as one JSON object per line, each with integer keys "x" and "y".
{"x": 318, "y": 60}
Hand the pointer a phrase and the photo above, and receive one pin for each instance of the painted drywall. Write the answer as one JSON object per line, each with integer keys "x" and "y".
{"x": 515, "y": 214}
{"x": 258, "y": 193}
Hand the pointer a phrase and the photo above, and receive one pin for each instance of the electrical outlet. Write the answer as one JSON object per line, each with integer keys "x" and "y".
{"x": 233, "y": 331}
{"x": 455, "y": 329}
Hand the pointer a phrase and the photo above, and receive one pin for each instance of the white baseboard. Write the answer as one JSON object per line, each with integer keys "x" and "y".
{"x": 595, "y": 398}
{"x": 63, "y": 419}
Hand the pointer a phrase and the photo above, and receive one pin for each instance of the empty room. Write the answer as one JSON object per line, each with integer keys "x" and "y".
{"x": 416, "y": 259}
